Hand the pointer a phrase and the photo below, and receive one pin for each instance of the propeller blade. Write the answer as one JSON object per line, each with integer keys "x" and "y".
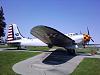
{"x": 80, "y": 32}
{"x": 88, "y": 31}
{"x": 92, "y": 40}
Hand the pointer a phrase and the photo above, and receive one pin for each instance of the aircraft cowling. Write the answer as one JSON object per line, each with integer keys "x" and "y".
{"x": 86, "y": 38}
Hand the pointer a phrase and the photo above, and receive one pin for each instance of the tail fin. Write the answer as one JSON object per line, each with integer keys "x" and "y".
{"x": 13, "y": 33}
{"x": 10, "y": 36}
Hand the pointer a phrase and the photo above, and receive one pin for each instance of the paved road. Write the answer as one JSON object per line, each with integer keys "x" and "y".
{"x": 54, "y": 63}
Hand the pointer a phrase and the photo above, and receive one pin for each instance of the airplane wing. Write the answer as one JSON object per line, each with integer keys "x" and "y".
{"x": 51, "y": 36}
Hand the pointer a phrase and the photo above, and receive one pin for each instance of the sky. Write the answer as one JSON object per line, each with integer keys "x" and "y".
{"x": 64, "y": 15}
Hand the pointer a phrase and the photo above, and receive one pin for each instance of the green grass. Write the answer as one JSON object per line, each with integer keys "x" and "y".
{"x": 8, "y": 59}
{"x": 31, "y": 48}
{"x": 86, "y": 50}
{"x": 83, "y": 50}
{"x": 3, "y": 46}
{"x": 89, "y": 66}
{"x": 43, "y": 48}
{"x": 6, "y": 46}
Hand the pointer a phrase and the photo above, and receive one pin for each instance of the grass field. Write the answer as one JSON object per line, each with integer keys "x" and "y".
{"x": 8, "y": 59}
{"x": 31, "y": 48}
{"x": 4, "y": 46}
{"x": 89, "y": 66}
{"x": 86, "y": 50}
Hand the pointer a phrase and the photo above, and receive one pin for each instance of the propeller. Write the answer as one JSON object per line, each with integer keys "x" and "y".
{"x": 92, "y": 40}
{"x": 89, "y": 35}
{"x": 87, "y": 38}
{"x": 80, "y": 32}
{"x": 88, "y": 31}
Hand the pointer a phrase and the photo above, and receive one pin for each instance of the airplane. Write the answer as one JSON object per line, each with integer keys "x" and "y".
{"x": 53, "y": 37}
{"x": 14, "y": 38}
{"x": 47, "y": 36}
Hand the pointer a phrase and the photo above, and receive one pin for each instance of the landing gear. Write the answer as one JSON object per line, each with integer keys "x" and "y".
{"x": 50, "y": 45}
{"x": 19, "y": 47}
{"x": 71, "y": 51}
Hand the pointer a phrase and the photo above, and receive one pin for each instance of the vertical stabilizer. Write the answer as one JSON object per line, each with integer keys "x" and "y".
{"x": 10, "y": 36}
{"x": 13, "y": 33}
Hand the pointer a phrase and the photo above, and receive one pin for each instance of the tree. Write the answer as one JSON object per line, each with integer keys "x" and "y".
{"x": 2, "y": 23}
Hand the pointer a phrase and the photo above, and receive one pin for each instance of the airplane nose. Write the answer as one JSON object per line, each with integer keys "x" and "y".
{"x": 86, "y": 37}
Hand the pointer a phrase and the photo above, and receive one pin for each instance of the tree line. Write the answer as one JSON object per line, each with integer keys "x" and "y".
{"x": 2, "y": 23}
